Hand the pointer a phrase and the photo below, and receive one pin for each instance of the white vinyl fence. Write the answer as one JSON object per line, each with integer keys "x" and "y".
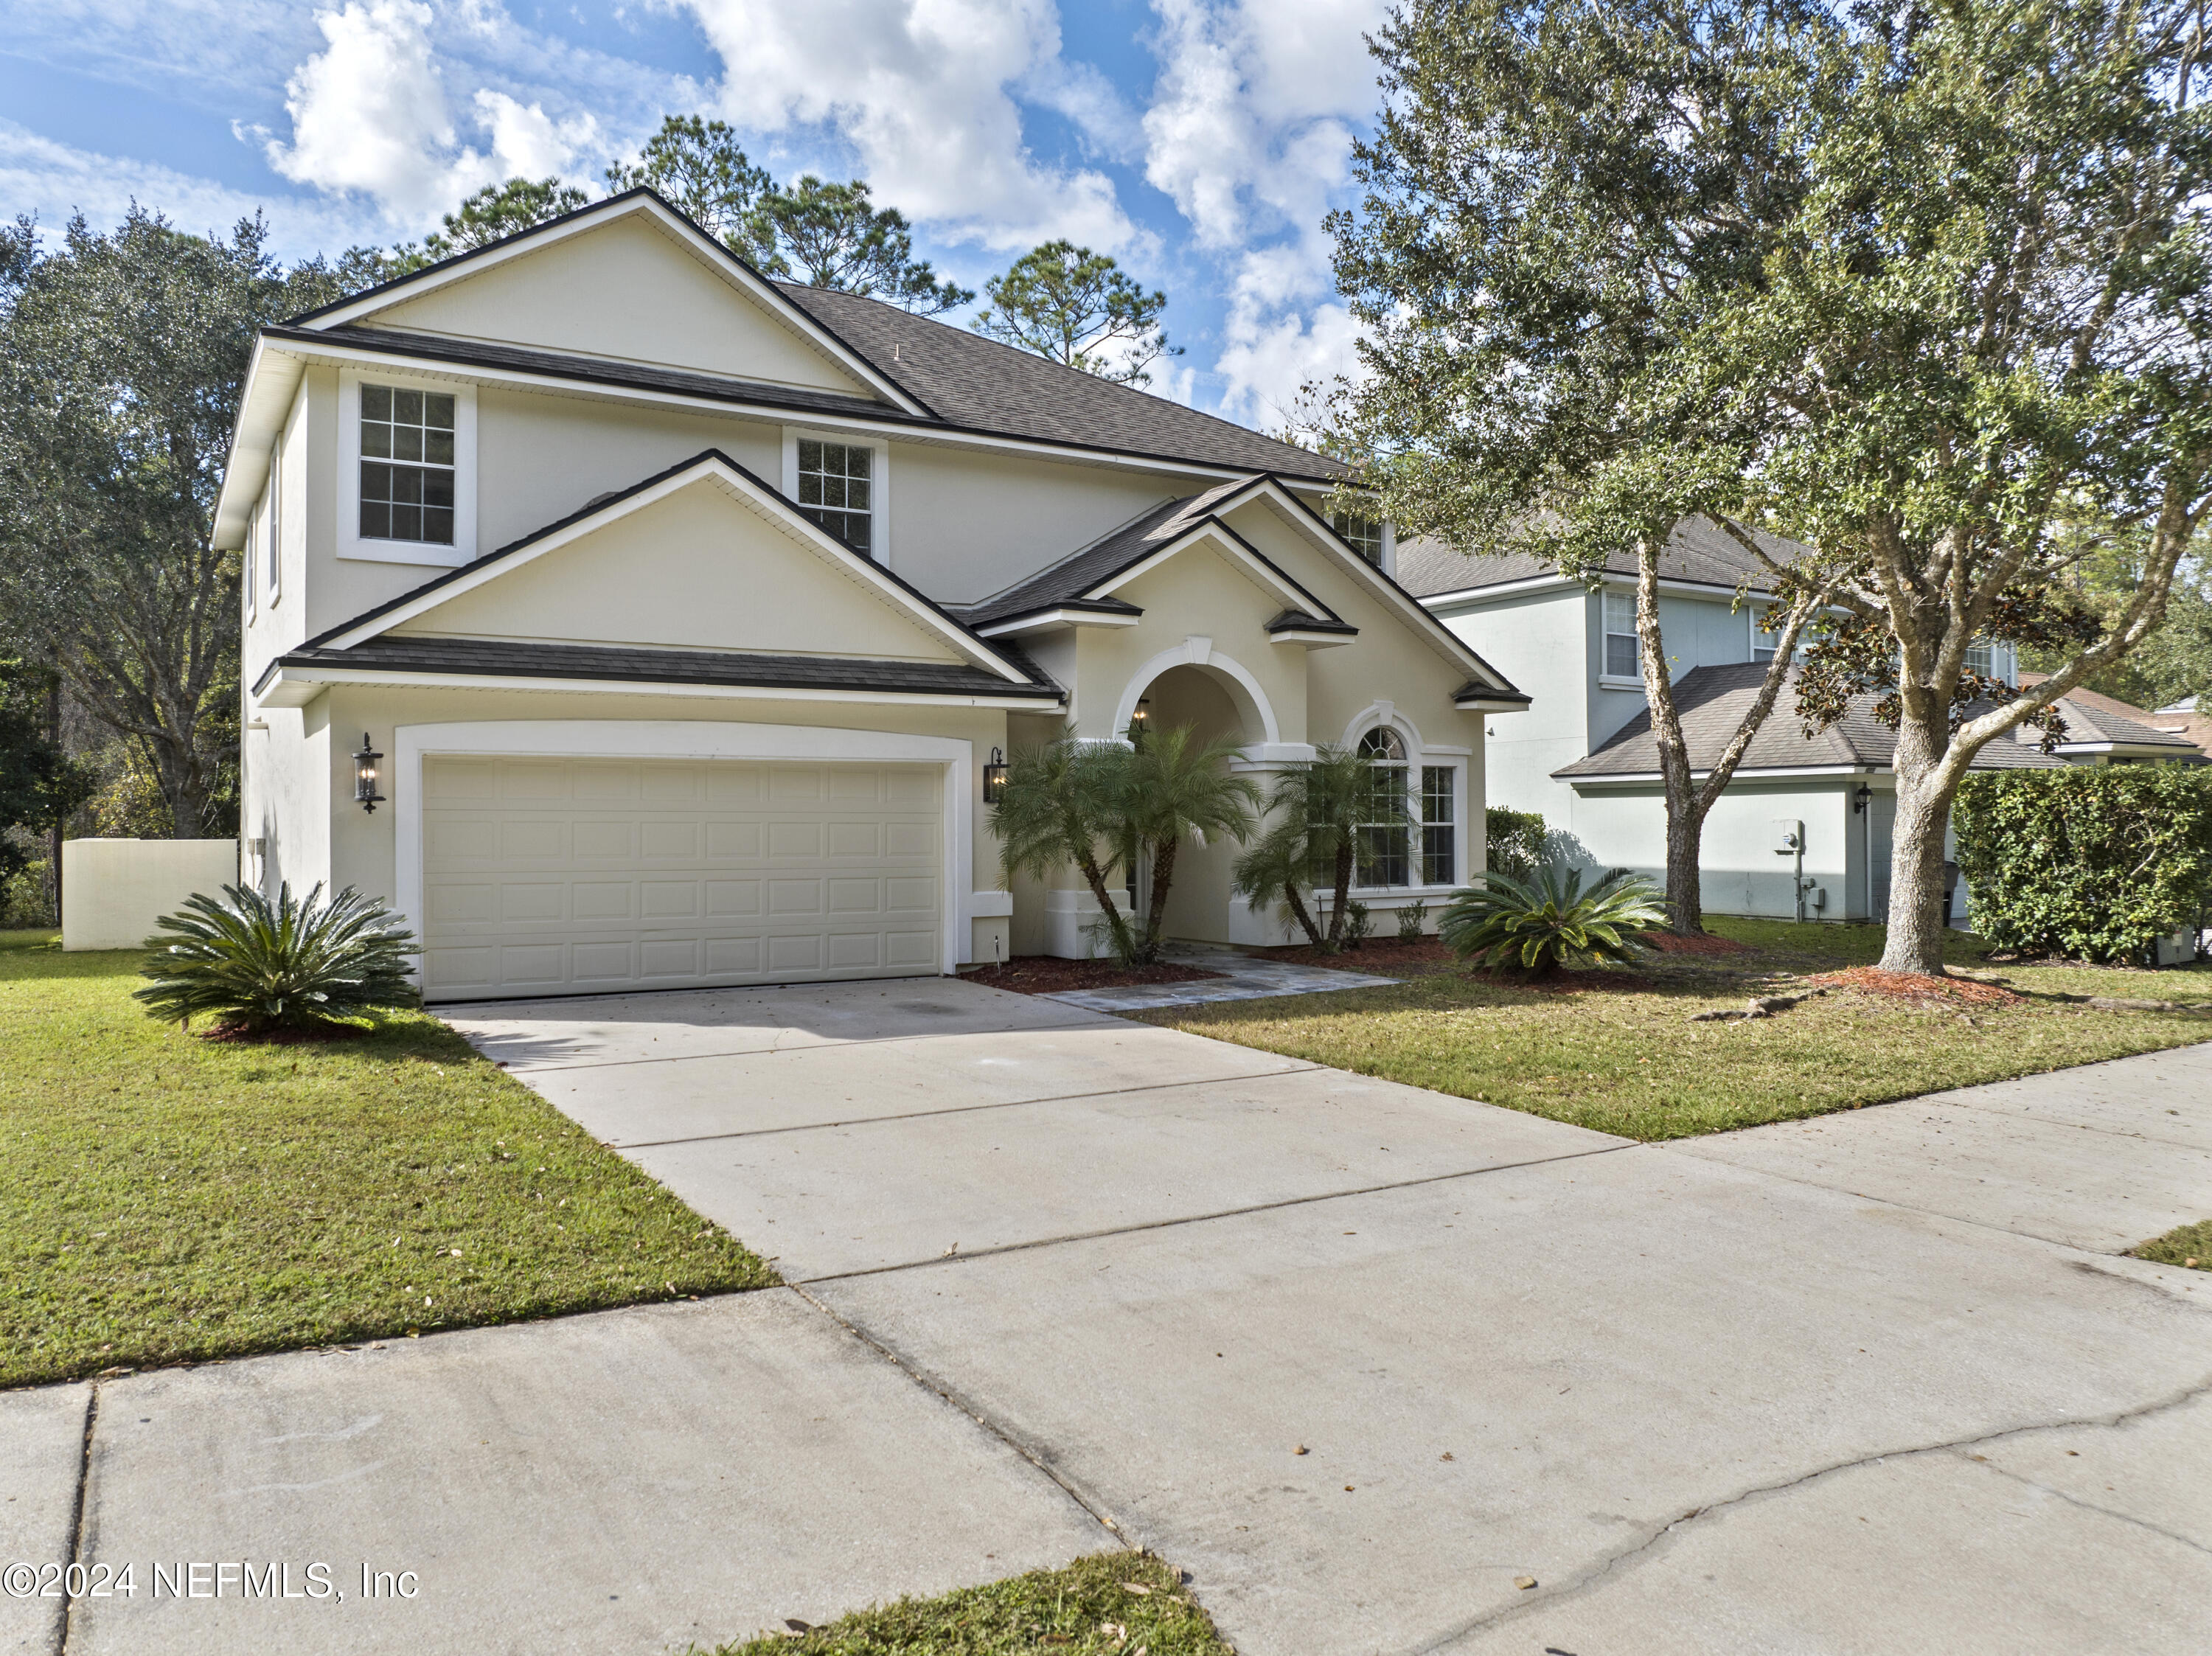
{"x": 113, "y": 890}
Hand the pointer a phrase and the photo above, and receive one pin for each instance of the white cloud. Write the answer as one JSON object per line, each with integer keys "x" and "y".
{"x": 52, "y": 180}
{"x": 922, "y": 90}
{"x": 1270, "y": 359}
{"x": 370, "y": 116}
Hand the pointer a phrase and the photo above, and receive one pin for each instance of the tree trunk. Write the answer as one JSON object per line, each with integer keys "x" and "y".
{"x": 1685, "y": 821}
{"x": 54, "y": 833}
{"x": 1915, "y": 942}
{"x": 1093, "y": 876}
{"x": 1343, "y": 891}
{"x": 1163, "y": 860}
{"x": 1297, "y": 907}
{"x": 1684, "y": 850}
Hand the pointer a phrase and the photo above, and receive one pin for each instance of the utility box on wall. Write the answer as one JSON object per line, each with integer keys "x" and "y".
{"x": 113, "y": 890}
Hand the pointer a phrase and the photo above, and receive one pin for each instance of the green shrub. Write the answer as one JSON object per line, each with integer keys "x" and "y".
{"x": 2091, "y": 863}
{"x": 1516, "y": 841}
{"x": 259, "y": 965}
{"x": 1539, "y": 925}
{"x": 1411, "y": 919}
{"x": 24, "y": 902}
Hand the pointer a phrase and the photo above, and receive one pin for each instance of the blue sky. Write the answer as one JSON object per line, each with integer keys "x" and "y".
{"x": 1199, "y": 140}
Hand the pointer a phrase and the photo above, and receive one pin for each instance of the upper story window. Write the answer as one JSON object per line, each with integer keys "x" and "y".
{"x": 407, "y": 471}
{"x": 1621, "y": 660}
{"x": 1981, "y": 657}
{"x": 1362, "y": 533}
{"x": 273, "y": 540}
{"x": 837, "y": 490}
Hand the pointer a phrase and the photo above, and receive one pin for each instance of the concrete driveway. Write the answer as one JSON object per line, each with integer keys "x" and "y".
{"x": 1361, "y": 1357}
{"x": 1873, "y": 1383}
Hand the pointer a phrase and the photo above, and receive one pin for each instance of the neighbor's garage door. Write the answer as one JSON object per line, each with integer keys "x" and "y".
{"x": 547, "y": 877}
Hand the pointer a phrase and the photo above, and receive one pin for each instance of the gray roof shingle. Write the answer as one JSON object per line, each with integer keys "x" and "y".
{"x": 1074, "y": 575}
{"x": 496, "y": 658}
{"x": 979, "y": 385}
{"x": 1699, "y": 550}
{"x": 1712, "y": 701}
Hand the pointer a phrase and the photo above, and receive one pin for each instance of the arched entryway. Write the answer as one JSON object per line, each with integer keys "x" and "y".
{"x": 1213, "y": 702}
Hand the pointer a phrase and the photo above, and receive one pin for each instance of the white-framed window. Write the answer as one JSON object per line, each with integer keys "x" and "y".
{"x": 252, "y": 562}
{"x": 842, "y": 483}
{"x": 1361, "y": 532}
{"x": 406, "y": 469}
{"x": 1422, "y": 850}
{"x": 1981, "y": 657}
{"x": 273, "y": 537}
{"x": 1621, "y": 658}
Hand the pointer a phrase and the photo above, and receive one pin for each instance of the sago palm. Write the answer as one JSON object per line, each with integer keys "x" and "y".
{"x": 1539, "y": 925}
{"x": 261, "y": 965}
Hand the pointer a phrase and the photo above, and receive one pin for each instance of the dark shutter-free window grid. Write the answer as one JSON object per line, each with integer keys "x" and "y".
{"x": 406, "y": 465}
{"x": 1439, "y": 866}
{"x": 836, "y": 491}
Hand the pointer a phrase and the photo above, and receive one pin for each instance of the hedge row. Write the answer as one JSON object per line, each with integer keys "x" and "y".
{"x": 2093, "y": 862}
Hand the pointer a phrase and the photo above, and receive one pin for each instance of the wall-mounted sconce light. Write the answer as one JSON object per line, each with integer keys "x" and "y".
{"x": 1859, "y": 798}
{"x": 1143, "y": 714}
{"x": 365, "y": 764}
{"x": 994, "y": 777}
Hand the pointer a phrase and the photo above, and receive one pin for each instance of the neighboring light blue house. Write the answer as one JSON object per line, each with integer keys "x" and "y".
{"x": 1806, "y": 819}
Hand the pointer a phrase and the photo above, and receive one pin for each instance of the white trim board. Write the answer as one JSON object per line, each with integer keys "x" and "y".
{"x": 626, "y": 738}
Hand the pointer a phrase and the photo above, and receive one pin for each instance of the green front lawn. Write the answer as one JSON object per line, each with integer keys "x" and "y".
{"x": 1088, "y": 1608}
{"x": 1618, "y": 1052}
{"x": 169, "y": 1199}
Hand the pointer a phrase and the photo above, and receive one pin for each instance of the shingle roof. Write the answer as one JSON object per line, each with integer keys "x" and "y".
{"x": 1074, "y": 575}
{"x": 2096, "y": 717}
{"x": 979, "y": 385}
{"x": 504, "y": 658}
{"x": 1712, "y": 701}
{"x": 1699, "y": 550}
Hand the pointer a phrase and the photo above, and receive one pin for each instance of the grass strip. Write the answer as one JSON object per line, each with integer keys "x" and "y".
{"x": 173, "y": 1199}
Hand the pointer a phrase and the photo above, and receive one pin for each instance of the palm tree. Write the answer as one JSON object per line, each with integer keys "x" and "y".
{"x": 1325, "y": 804}
{"x": 1061, "y": 804}
{"x": 1175, "y": 791}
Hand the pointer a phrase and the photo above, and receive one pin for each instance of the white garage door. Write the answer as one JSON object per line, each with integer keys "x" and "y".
{"x": 548, "y": 876}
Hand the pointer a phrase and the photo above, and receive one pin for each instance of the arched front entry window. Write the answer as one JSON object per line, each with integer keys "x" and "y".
{"x": 1417, "y": 848}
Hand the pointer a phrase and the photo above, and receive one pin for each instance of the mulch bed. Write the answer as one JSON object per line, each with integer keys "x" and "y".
{"x": 1381, "y": 956}
{"x": 312, "y": 1036}
{"x": 1049, "y": 975}
{"x": 1917, "y": 987}
{"x": 1668, "y": 943}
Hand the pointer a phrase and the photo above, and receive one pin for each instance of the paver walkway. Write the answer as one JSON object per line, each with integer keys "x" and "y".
{"x": 1876, "y": 1383}
{"x": 1239, "y": 977}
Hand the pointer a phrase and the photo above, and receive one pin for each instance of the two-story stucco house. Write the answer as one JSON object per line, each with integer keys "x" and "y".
{"x": 684, "y": 613}
{"x": 1806, "y": 818}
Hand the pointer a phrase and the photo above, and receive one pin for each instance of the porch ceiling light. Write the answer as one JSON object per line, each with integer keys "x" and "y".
{"x": 994, "y": 777}
{"x": 365, "y": 770}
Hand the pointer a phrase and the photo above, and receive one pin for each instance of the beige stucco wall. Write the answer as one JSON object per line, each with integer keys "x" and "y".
{"x": 705, "y": 568}
{"x": 625, "y": 289}
{"x": 114, "y": 890}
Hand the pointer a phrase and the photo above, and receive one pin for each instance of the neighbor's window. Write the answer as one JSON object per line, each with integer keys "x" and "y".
{"x": 1383, "y": 855}
{"x": 1362, "y": 533}
{"x": 1620, "y": 652}
{"x": 1981, "y": 657}
{"x": 275, "y": 518}
{"x": 836, "y": 491}
{"x": 406, "y": 465}
{"x": 1438, "y": 864}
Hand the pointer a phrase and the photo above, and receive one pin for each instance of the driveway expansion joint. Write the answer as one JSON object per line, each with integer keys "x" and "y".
{"x": 945, "y": 1392}
{"x": 965, "y": 1255}
{"x": 956, "y": 1109}
{"x": 1588, "y": 1579}
{"x": 520, "y": 1069}
{"x": 65, "y": 1613}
